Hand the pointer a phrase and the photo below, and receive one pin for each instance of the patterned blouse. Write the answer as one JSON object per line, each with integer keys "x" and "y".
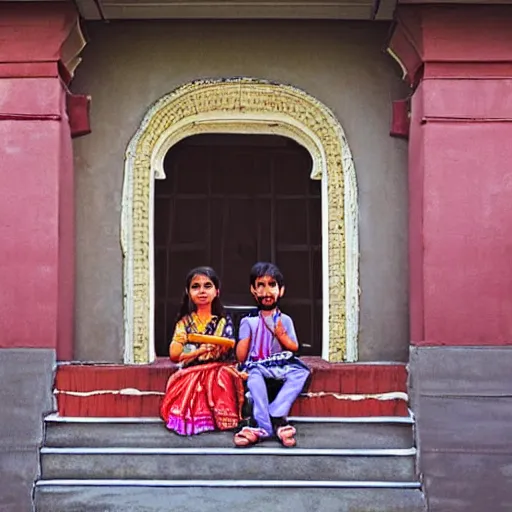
{"x": 213, "y": 326}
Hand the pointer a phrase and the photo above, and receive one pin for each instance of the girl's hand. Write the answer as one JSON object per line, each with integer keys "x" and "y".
{"x": 194, "y": 354}
{"x": 213, "y": 351}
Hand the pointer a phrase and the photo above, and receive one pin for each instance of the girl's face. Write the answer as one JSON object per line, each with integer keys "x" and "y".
{"x": 202, "y": 291}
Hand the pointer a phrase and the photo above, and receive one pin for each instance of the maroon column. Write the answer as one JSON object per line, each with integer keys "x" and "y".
{"x": 459, "y": 62}
{"x": 36, "y": 169}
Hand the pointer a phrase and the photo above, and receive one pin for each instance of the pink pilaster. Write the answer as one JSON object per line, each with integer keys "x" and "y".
{"x": 458, "y": 60}
{"x": 36, "y": 170}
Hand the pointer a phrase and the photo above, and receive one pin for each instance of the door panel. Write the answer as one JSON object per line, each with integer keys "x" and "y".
{"x": 229, "y": 201}
{"x": 291, "y": 221}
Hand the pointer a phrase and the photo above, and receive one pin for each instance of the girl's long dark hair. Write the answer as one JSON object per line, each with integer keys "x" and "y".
{"x": 187, "y": 306}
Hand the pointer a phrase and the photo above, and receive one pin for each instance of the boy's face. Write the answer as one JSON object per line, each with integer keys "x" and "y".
{"x": 267, "y": 293}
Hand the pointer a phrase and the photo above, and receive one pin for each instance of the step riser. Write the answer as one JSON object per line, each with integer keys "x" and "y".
{"x": 75, "y": 383}
{"x": 121, "y": 499}
{"x": 246, "y": 466}
{"x": 155, "y": 435}
{"x": 117, "y": 406}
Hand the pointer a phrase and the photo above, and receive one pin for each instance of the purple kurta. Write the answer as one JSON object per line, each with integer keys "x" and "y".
{"x": 263, "y": 344}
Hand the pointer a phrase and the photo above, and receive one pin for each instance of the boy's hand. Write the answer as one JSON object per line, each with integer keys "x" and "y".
{"x": 283, "y": 337}
{"x": 279, "y": 329}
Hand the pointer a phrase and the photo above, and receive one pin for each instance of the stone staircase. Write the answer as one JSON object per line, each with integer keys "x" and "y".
{"x": 350, "y": 464}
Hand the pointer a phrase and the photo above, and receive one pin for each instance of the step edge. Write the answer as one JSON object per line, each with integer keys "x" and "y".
{"x": 103, "y": 364}
{"x": 406, "y": 420}
{"x": 287, "y": 452}
{"x": 228, "y": 483}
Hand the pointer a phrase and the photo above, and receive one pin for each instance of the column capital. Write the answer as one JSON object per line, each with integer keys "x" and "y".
{"x": 42, "y": 40}
{"x": 452, "y": 41}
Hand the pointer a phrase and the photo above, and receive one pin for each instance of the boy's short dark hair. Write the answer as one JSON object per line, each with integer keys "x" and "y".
{"x": 263, "y": 268}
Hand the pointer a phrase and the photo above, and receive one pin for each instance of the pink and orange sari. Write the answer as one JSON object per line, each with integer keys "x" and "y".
{"x": 208, "y": 393}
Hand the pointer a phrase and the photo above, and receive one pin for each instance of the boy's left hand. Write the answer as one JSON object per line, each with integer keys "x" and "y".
{"x": 279, "y": 329}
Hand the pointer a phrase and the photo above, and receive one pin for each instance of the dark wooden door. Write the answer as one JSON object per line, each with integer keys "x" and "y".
{"x": 229, "y": 201}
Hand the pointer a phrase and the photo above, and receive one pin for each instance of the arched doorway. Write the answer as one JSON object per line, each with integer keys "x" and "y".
{"x": 228, "y": 201}
{"x": 243, "y": 106}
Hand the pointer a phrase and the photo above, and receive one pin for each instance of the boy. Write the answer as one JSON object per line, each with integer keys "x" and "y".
{"x": 266, "y": 347}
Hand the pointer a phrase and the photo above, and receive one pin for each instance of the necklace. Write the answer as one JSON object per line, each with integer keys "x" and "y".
{"x": 202, "y": 322}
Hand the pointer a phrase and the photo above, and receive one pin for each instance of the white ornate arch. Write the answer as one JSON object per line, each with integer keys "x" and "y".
{"x": 247, "y": 106}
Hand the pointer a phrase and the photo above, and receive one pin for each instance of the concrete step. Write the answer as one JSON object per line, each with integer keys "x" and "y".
{"x": 107, "y": 496}
{"x": 256, "y": 463}
{"x": 385, "y": 432}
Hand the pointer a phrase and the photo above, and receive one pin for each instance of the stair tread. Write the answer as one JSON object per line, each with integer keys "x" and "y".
{"x": 152, "y": 433}
{"x": 211, "y": 499}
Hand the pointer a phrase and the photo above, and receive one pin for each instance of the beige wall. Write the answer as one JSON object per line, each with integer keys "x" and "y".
{"x": 128, "y": 66}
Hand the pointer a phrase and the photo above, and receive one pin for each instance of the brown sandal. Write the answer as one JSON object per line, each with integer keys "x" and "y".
{"x": 247, "y": 437}
{"x": 286, "y": 435}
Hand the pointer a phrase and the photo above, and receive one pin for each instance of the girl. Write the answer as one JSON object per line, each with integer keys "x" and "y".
{"x": 207, "y": 392}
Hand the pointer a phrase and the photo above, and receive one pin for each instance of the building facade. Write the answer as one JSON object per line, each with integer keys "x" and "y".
{"x": 402, "y": 249}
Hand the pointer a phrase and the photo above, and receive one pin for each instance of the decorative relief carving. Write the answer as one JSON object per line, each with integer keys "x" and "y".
{"x": 242, "y": 106}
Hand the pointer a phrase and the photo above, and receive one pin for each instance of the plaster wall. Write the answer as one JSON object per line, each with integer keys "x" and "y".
{"x": 127, "y": 66}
